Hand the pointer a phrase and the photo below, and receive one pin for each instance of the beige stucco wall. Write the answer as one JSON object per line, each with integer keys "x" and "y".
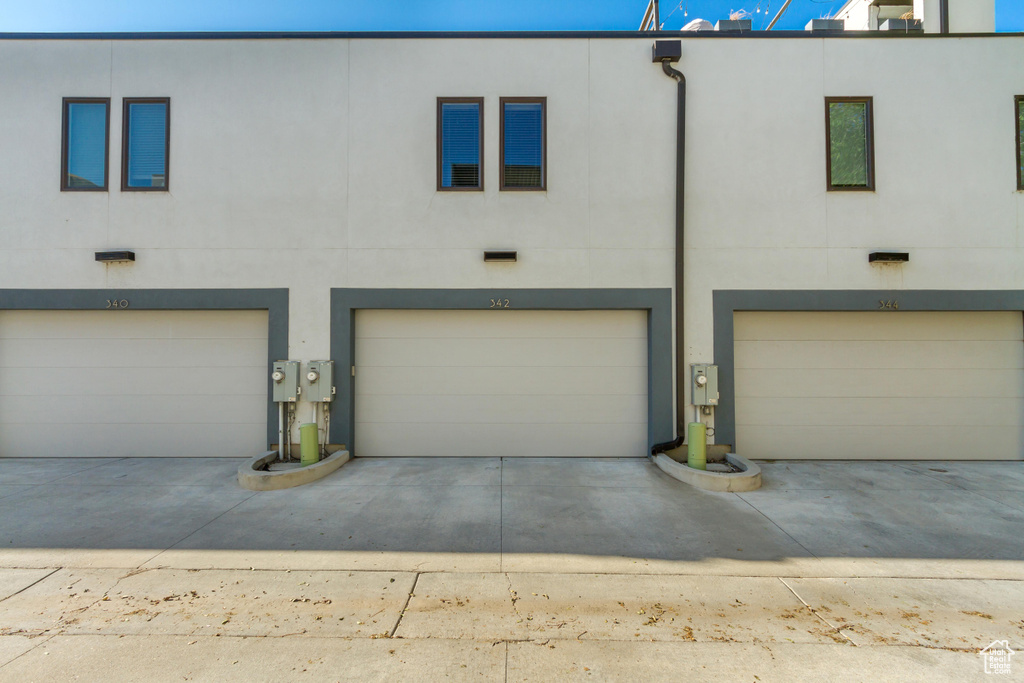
{"x": 310, "y": 164}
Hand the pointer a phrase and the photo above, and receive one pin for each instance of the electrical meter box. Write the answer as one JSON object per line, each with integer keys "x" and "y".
{"x": 285, "y": 378}
{"x": 320, "y": 375}
{"x": 704, "y": 387}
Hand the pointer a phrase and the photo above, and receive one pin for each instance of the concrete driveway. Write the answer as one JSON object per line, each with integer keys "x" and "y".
{"x": 516, "y": 569}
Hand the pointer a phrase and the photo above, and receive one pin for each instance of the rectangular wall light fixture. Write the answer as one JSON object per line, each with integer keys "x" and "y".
{"x": 888, "y": 257}
{"x": 115, "y": 256}
{"x": 501, "y": 256}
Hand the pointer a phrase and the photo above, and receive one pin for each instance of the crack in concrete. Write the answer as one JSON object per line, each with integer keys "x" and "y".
{"x": 776, "y": 525}
{"x": 836, "y": 629}
{"x": 196, "y": 531}
{"x": 36, "y": 582}
{"x": 31, "y": 649}
{"x": 408, "y": 599}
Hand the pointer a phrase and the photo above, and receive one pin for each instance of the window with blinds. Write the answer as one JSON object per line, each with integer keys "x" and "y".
{"x": 460, "y": 143}
{"x": 523, "y": 143}
{"x": 84, "y": 144}
{"x": 145, "y": 144}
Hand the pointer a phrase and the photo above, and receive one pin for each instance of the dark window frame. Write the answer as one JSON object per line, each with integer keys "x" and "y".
{"x": 441, "y": 101}
{"x": 124, "y": 143}
{"x": 543, "y": 102}
{"x": 869, "y": 144}
{"x": 1018, "y": 102}
{"x": 64, "y": 187}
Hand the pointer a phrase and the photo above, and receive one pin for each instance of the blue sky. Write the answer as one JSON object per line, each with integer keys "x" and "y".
{"x": 405, "y": 15}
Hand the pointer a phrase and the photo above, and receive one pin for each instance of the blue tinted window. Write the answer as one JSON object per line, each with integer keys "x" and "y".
{"x": 460, "y": 144}
{"x": 146, "y": 145}
{"x": 85, "y": 146}
{"x": 522, "y": 145}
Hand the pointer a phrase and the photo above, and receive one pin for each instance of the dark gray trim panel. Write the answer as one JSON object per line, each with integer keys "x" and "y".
{"x": 657, "y": 303}
{"x": 274, "y": 301}
{"x": 727, "y": 302}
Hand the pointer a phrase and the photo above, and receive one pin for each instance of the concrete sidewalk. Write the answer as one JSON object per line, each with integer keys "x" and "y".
{"x": 507, "y": 570}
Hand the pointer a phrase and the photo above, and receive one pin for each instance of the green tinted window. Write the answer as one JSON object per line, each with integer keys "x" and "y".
{"x": 849, "y": 142}
{"x": 1020, "y": 142}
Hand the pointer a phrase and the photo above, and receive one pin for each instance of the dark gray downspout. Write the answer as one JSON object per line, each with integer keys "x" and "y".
{"x": 667, "y": 52}
{"x": 943, "y": 16}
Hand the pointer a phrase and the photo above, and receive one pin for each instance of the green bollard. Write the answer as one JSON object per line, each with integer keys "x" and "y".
{"x": 697, "y": 446}
{"x": 309, "y": 449}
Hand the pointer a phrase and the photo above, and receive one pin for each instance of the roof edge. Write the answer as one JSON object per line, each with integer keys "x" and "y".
{"x": 334, "y": 35}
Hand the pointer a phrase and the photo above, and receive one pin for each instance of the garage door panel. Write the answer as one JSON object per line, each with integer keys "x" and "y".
{"x": 229, "y": 325}
{"x": 882, "y": 443}
{"x": 964, "y": 383}
{"x": 509, "y": 440}
{"x": 525, "y": 382}
{"x": 436, "y": 381}
{"x": 530, "y": 352}
{"x": 117, "y": 353}
{"x": 525, "y": 410}
{"x": 124, "y": 409}
{"x": 879, "y": 355}
{"x": 144, "y": 383}
{"x": 420, "y": 324}
{"x": 879, "y": 325}
{"x": 873, "y": 412}
{"x": 138, "y": 381}
{"x": 88, "y": 325}
{"x": 135, "y": 324}
{"x": 134, "y": 441}
{"x": 940, "y": 385}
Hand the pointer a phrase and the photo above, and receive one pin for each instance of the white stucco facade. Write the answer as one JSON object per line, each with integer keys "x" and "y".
{"x": 309, "y": 164}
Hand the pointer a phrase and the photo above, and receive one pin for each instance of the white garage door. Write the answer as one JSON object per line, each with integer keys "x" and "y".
{"x": 885, "y": 385}
{"x": 501, "y": 383}
{"x": 133, "y": 383}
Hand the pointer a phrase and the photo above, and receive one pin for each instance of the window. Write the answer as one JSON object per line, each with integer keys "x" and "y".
{"x": 851, "y": 164}
{"x": 523, "y": 143}
{"x": 460, "y": 143}
{"x": 144, "y": 147}
{"x": 1018, "y": 101}
{"x": 84, "y": 144}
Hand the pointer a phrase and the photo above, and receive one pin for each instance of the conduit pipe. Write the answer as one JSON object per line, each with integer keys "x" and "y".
{"x": 666, "y": 66}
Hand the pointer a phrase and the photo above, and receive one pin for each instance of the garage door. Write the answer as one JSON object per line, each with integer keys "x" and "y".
{"x": 501, "y": 383}
{"x": 133, "y": 383}
{"x": 885, "y": 385}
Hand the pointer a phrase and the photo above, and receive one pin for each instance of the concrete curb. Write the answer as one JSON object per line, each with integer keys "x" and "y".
{"x": 251, "y": 477}
{"x": 747, "y": 480}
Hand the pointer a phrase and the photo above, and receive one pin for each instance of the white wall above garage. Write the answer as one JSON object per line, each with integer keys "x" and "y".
{"x": 310, "y": 164}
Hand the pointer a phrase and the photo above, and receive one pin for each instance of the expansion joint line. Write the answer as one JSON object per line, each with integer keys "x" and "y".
{"x": 813, "y": 611}
{"x": 408, "y": 599}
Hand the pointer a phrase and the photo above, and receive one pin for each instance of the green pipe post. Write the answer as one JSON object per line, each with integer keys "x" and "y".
{"x": 309, "y": 449}
{"x": 697, "y": 446}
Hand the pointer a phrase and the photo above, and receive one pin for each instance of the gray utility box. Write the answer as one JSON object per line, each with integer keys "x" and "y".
{"x": 704, "y": 384}
{"x": 285, "y": 378}
{"x": 320, "y": 375}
